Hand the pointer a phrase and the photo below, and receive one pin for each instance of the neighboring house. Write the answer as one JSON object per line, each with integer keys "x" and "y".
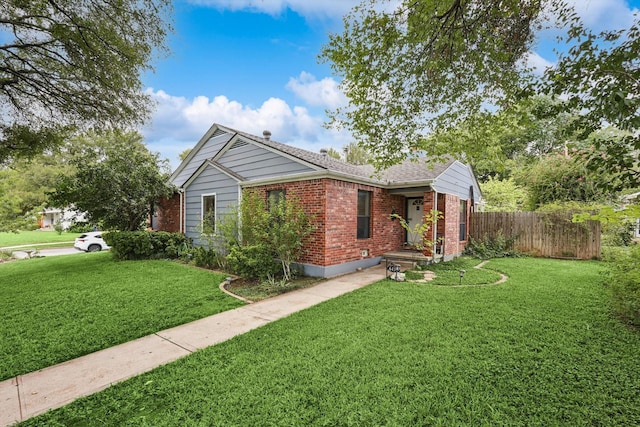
{"x": 49, "y": 217}
{"x": 350, "y": 205}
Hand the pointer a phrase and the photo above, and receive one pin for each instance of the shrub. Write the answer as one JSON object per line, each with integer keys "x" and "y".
{"x": 487, "y": 247}
{"x": 624, "y": 282}
{"x": 253, "y": 261}
{"x": 617, "y": 234}
{"x": 209, "y": 258}
{"x": 5, "y": 255}
{"x": 135, "y": 245}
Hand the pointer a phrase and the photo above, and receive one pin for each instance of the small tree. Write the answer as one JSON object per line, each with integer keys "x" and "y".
{"x": 562, "y": 178}
{"x": 289, "y": 226}
{"x": 276, "y": 231}
{"x": 429, "y": 220}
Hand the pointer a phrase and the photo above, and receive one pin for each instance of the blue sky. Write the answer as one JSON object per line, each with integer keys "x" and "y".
{"x": 252, "y": 65}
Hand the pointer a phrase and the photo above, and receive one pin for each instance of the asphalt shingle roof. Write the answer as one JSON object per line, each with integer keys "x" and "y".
{"x": 416, "y": 170}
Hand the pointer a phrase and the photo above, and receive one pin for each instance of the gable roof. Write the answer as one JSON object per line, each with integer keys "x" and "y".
{"x": 411, "y": 172}
{"x": 317, "y": 159}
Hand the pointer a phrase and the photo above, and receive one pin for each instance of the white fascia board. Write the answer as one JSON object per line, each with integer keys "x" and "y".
{"x": 195, "y": 149}
{"x": 202, "y": 167}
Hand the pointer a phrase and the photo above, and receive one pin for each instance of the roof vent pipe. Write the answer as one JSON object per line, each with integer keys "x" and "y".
{"x": 324, "y": 152}
{"x": 266, "y": 135}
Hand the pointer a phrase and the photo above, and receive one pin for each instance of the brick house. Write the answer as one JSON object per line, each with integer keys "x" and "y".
{"x": 351, "y": 206}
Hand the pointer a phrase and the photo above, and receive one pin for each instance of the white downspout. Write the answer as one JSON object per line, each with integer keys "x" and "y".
{"x": 435, "y": 224}
{"x": 181, "y": 191}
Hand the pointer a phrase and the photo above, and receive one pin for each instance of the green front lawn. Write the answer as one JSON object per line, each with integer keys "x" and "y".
{"x": 58, "y": 308}
{"x": 35, "y": 237}
{"x": 539, "y": 350}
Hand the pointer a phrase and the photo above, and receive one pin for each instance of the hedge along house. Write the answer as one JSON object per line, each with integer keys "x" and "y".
{"x": 350, "y": 207}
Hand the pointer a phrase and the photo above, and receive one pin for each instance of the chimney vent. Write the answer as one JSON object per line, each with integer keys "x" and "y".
{"x": 266, "y": 135}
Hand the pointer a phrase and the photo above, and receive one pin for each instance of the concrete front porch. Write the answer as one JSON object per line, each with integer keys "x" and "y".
{"x": 410, "y": 257}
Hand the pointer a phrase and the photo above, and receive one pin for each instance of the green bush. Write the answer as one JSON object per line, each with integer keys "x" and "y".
{"x": 617, "y": 234}
{"x": 624, "y": 282}
{"x": 487, "y": 248}
{"x": 135, "y": 245}
{"x": 253, "y": 261}
{"x": 209, "y": 258}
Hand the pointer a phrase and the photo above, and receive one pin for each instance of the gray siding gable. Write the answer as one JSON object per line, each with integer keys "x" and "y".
{"x": 456, "y": 180}
{"x": 255, "y": 161}
{"x": 205, "y": 149}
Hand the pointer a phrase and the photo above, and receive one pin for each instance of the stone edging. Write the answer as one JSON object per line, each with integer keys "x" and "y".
{"x": 223, "y": 288}
{"x": 503, "y": 279}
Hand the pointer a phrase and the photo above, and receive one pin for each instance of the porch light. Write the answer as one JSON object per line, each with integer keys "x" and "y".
{"x": 461, "y": 275}
{"x": 393, "y": 213}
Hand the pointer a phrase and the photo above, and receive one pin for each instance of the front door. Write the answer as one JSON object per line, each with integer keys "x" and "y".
{"x": 415, "y": 216}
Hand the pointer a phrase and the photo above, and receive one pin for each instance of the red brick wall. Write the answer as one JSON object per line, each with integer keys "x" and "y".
{"x": 448, "y": 228}
{"x": 451, "y": 225}
{"x": 332, "y": 204}
{"x": 342, "y": 242}
{"x": 311, "y": 194}
{"x": 169, "y": 214}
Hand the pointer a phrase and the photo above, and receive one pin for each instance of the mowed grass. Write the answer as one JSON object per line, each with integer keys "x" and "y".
{"x": 448, "y": 273}
{"x": 540, "y": 350}
{"x": 58, "y": 308}
{"x": 35, "y": 237}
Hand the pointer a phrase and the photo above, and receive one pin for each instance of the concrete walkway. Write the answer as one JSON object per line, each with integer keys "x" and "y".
{"x": 28, "y": 395}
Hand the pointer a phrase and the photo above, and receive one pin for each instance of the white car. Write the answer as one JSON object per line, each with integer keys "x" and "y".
{"x": 90, "y": 242}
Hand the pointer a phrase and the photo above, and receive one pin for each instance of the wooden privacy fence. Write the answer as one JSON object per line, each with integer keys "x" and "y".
{"x": 540, "y": 234}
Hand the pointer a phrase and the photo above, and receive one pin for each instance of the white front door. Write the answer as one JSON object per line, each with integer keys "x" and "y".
{"x": 415, "y": 216}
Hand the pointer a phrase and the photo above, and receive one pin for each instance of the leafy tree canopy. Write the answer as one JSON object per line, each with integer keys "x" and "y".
{"x": 116, "y": 180}
{"x": 427, "y": 65}
{"x": 356, "y": 155}
{"x": 74, "y": 63}
{"x": 333, "y": 153}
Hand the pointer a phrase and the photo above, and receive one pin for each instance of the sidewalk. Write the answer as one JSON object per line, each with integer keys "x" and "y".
{"x": 28, "y": 395}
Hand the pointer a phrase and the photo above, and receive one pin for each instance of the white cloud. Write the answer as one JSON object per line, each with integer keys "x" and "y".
{"x": 306, "y": 8}
{"x": 178, "y": 123}
{"x": 537, "y": 63}
{"x": 321, "y": 93}
{"x": 604, "y": 14}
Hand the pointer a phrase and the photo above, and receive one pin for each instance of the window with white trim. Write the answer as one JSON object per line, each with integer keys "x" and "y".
{"x": 208, "y": 210}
